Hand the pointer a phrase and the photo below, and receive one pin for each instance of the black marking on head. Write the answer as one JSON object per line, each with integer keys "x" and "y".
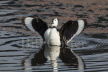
{"x": 54, "y": 19}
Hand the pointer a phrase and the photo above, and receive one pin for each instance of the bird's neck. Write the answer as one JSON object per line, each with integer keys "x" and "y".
{"x": 54, "y": 25}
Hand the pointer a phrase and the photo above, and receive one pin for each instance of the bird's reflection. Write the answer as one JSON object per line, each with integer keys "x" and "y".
{"x": 51, "y": 53}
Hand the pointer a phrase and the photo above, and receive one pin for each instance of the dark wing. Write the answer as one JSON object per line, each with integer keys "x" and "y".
{"x": 36, "y": 24}
{"x": 71, "y": 29}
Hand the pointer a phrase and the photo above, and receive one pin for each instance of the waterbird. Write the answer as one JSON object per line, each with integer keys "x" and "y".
{"x": 50, "y": 34}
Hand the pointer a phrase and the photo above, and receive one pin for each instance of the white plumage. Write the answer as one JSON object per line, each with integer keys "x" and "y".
{"x": 28, "y": 21}
{"x": 80, "y": 26}
{"x": 54, "y": 37}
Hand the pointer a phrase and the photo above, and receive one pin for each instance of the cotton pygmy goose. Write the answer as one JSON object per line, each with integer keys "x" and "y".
{"x": 50, "y": 34}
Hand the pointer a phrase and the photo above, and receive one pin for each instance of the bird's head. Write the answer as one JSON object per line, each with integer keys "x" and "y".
{"x": 54, "y": 22}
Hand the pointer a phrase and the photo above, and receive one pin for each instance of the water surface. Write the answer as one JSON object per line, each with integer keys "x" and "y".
{"x": 21, "y": 51}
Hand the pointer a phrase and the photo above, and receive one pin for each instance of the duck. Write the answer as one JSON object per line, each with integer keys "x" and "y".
{"x": 50, "y": 34}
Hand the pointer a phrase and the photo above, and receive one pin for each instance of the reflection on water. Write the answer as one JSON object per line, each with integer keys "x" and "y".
{"x": 27, "y": 54}
{"x": 52, "y": 55}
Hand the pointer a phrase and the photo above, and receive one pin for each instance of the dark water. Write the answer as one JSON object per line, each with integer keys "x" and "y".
{"x": 26, "y": 53}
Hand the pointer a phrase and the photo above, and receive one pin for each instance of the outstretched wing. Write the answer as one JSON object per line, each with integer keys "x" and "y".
{"x": 71, "y": 29}
{"x": 35, "y": 24}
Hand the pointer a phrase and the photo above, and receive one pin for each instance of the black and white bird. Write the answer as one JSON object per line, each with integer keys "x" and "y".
{"x": 50, "y": 34}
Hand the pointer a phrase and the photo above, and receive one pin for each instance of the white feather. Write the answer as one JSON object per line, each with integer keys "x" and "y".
{"x": 52, "y": 37}
{"x": 80, "y": 27}
{"x": 47, "y": 35}
{"x": 28, "y": 23}
{"x": 55, "y": 22}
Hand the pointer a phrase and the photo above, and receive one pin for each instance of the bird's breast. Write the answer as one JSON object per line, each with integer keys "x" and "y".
{"x": 52, "y": 37}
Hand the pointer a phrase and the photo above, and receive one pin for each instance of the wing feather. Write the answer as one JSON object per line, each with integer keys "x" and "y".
{"x": 35, "y": 24}
{"x": 70, "y": 29}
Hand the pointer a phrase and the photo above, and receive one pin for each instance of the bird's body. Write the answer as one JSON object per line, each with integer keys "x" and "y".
{"x": 51, "y": 35}
{"x": 47, "y": 35}
{"x": 54, "y": 37}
